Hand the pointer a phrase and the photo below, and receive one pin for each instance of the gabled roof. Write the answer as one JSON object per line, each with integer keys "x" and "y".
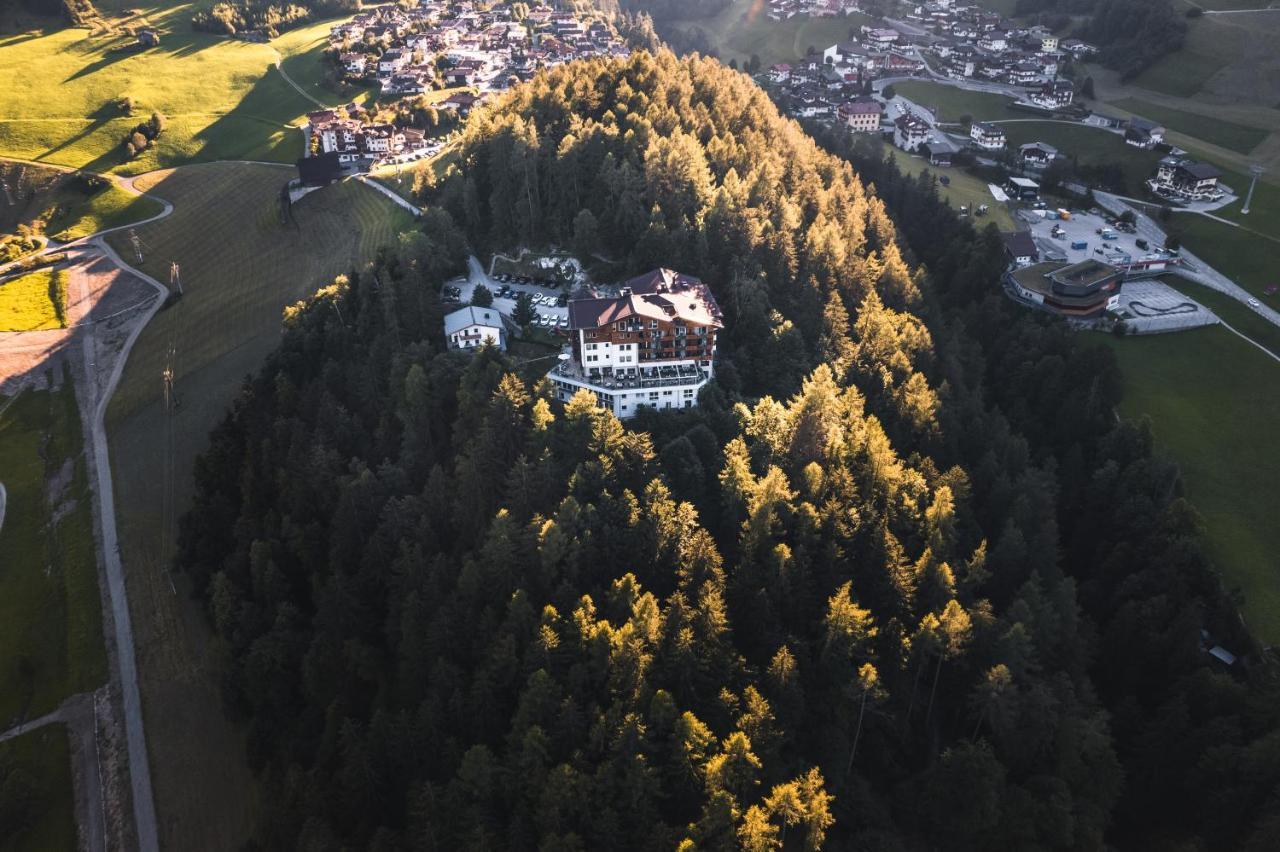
{"x": 469, "y": 316}
{"x": 1020, "y": 244}
{"x": 662, "y": 294}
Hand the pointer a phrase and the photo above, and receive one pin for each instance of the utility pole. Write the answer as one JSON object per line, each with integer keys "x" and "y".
{"x": 136, "y": 242}
{"x": 1256, "y": 171}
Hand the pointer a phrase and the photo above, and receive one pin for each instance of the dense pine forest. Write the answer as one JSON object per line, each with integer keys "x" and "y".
{"x": 901, "y": 581}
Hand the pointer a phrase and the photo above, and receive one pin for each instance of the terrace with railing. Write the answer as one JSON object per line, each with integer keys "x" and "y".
{"x": 633, "y": 377}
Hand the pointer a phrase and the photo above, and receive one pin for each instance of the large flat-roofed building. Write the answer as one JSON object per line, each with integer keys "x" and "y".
{"x": 1080, "y": 289}
{"x": 653, "y": 344}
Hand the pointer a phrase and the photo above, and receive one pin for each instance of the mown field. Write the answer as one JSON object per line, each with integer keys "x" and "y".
{"x": 43, "y": 757}
{"x": 1215, "y": 131}
{"x": 51, "y": 644}
{"x": 1212, "y": 402}
{"x": 28, "y": 302}
{"x": 743, "y": 29}
{"x": 223, "y": 98}
{"x": 240, "y": 268}
{"x": 952, "y": 103}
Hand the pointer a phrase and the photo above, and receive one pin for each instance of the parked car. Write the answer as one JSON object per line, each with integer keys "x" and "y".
{"x": 1142, "y": 244}
{"x": 563, "y": 322}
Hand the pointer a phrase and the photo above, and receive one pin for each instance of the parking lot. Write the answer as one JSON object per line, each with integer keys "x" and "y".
{"x": 1083, "y": 228}
{"x": 547, "y": 299}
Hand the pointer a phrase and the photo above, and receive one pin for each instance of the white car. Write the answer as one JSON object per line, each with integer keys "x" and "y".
{"x": 1253, "y": 303}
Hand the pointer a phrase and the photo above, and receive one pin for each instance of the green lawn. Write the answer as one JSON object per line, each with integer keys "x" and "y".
{"x": 240, "y": 268}
{"x": 1246, "y": 258}
{"x": 1090, "y": 146}
{"x": 42, "y": 760}
{"x": 222, "y": 97}
{"x": 27, "y": 302}
{"x": 1181, "y": 73}
{"x": 51, "y": 642}
{"x": 1230, "y": 311}
{"x": 743, "y": 29}
{"x": 964, "y": 190}
{"x": 952, "y": 103}
{"x": 1215, "y": 131}
{"x": 1211, "y": 397}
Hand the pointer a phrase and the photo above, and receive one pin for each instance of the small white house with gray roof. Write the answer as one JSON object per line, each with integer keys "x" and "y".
{"x": 472, "y": 327}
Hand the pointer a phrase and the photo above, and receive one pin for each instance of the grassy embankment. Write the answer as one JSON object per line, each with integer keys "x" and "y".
{"x": 66, "y": 206}
{"x": 240, "y": 268}
{"x": 1210, "y": 396}
{"x": 42, "y": 761}
{"x": 36, "y": 301}
{"x": 51, "y": 644}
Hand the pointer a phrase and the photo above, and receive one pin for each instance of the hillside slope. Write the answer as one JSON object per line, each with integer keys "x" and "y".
{"x": 843, "y": 602}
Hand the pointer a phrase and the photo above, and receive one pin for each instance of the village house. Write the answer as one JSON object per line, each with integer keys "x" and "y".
{"x": 1055, "y": 95}
{"x": 472, "y": 327}
{"x": 994, "y": 41}
{"x": 1020, "y": 247}
{"x": 989, "y": 137}
{"x": 354, "y": 63}
{"x": 1037, "y": 155}
{"x": 862, "y": 115}
{"x": 652, "y": 345}
{"x": 1186, "y": 180}
{"x": 879, "y": 38}
{"x": 1142, "y": 133}
{"x": 910, "y": 132}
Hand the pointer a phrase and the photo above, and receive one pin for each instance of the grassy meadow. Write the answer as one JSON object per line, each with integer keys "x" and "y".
{"x": 44, "y": 758}
{"x": 223, "y": 98}
{"x": 952, "y": 103}
{"x": 1210, "y": 396}
{"x": 51, "y": 644}
{"x": 240, "y": 268}
{"x": 743, "y": 29}
{"x": 30, "y": 302}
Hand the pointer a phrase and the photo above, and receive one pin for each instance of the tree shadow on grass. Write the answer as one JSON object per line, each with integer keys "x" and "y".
{"x": 109, "y": 57}
{"x": 259, "y": 126}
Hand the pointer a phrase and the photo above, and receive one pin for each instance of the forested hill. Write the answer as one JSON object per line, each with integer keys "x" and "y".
{"x": 844, "y": 603}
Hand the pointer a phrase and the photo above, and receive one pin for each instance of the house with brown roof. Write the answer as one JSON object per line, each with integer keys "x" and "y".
{"x": 652, "y": 344}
